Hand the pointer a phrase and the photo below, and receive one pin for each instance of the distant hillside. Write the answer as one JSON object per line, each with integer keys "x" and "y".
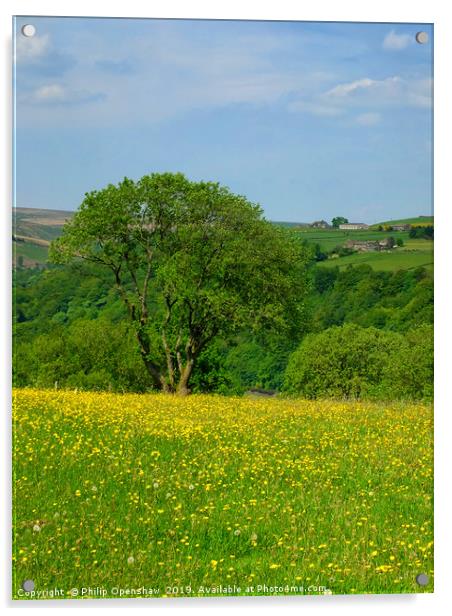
{"x": 290, "y": 224}
{"x": 33, "y": 230}
{"x": 41, "y": 224}
{"x": 417, "y": 221}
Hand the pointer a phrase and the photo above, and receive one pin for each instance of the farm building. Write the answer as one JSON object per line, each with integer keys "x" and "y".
{"x": 353, "y": 226}
{"x": 370, "y": 245}
{"x": 320, "y": 224}
{"x": 387, "y": 242}
{"x": 362, "y": 245}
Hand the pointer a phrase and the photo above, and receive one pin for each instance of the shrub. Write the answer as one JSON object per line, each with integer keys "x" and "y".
{"x": 357, "y": 362}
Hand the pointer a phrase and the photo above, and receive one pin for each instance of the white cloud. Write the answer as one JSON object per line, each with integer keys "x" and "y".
{"x": 395, "y": 42}
{"x": 367, "y": 93}
{"x": 346, "y": 88}
{"x": 382, "y": 87}
{"x": 178, "y": 70}
{"x": 31, "y": 49}
{"x": 368, "y": 119}
{"x": 395, "y": 91}
{"x": 58, "y": 94}
{"x": 50, "y": 93}
{"x": 173, "y": 71}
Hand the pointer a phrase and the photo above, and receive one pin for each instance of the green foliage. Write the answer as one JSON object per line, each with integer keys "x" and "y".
{"x": 342, "y": 251}
{"x": 87, "y": 354}
{"x": 319, "y": 254}
{"x": 339, "y": 362}
{"x": 395, "y": 301}
{"x": 191, "y": 261}
{"x": 355, "y": 362}
{"x": 339, "y": 220}
{"x": 240, "y": 293}
{"x": 410, "y": 374}
{"x": 422, "y": 232}
{"x": 53, "y": 306}
{"x": 43, "y": 356}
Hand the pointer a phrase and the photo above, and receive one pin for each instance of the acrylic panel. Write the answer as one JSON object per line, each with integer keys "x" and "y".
{"x": 223, "y": 308}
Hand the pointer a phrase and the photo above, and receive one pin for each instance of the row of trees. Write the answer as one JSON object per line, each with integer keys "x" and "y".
{"x": 396, "y": 301}
{"x": 425, "y": 232}
{"x": 72, "y": 328}
{"x": 347, "y": 361}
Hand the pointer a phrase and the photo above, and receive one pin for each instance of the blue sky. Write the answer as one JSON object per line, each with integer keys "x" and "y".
{"x": 311, "y": 120}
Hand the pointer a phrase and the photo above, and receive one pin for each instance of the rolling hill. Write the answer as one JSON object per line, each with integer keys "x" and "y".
{"x": 34, "y": 229}
{"x": 418, "y": 221}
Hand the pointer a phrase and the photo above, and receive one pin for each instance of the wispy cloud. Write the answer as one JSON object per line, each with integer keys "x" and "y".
{"x": 37, "y": 57}
{"x": 249, "y": 104}
{"x": 174, "y": 69}
{"x": 57, "y": 94}
{"x": 394, "y": 42}
{"x": 344, "y": 89}
{"x": 392, "y": 91}
{"x": 363, "y": 93}
{"x": 31, "y": 49}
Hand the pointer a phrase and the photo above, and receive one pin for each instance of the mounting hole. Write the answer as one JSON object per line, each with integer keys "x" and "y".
{"x": 422, "y": 579}
{"x": 28, "y": 30}
{"x": 28, "y": 585}
{"x": 422, "y": 38}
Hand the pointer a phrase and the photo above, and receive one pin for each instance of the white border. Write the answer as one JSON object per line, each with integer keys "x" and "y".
{"x": 321, "y": 10}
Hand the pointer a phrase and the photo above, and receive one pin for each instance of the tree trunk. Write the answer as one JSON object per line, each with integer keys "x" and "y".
{"x": 182, "y": 386}
{"x": 153, "y": 370}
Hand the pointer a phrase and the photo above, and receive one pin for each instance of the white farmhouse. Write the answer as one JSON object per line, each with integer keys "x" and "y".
{"x": 353, "y": 226}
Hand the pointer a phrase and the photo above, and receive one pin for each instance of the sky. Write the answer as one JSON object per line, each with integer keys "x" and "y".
{"x": 310, "y": 120}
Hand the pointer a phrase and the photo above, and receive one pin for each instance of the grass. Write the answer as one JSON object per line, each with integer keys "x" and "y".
{"x": 154, "y": 491}
{"x": 328, "y": 239}
{"x": 385, "y": 261}
{"x": 32, "y": 253}
{"x": 419, "y": 221}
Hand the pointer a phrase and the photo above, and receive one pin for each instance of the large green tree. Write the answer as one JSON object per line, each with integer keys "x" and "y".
{"x": 339, "y": 220}
{"x": 191, "y": 261}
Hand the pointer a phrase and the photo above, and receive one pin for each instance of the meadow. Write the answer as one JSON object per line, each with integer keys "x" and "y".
{"x": 419, "y": 221}
{"x": 328, "y": 239}
{"x": 180, "y": 495}
{"x": 408, "y": 258}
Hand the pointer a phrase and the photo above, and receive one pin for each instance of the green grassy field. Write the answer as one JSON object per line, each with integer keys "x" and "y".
{"x": 329, "y": 239}
{"x": 399, "y": 259}
{"x": 414, "y": 253}
{"x": 416, "y": 221}
{"x": 180, "y": 495}
{"x": 31, "y": 254}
